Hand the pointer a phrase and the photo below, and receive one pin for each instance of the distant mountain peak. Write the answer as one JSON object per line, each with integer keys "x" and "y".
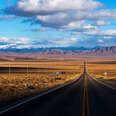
{"x": 99, "y": 51}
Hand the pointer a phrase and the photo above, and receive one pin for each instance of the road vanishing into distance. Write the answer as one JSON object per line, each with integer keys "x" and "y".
{"x": 86, "y": 96}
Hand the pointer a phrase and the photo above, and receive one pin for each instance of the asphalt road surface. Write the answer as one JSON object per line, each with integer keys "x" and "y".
{"x": 85, "y": 97}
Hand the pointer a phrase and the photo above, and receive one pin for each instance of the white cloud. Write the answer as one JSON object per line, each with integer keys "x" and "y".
{"x": 4, "y": 46}
{"x": 107, "y": 37}
{"x": 64, "y": 42}
{"x": 74, "y": 39}
{"x": 38, "y": 7}
{"x": 100, "y": 41}
{"x": 72, "y": 20}
{"x": 105, "y": 14}
{"x": 54, "y": 13}
{"x": 57, "y": 42}
{"x": 98, "y": 32}
{"x": 53, "y": 20}
{"x": 102, "y": 23}
{"x": 109, "y": 32}
{"x": 73, "y": 25}
{"x": 61, "y": 14}
{"x": 21, "y": 40}
{"x": 22, "y": 47}
{"x": 90, "y": 27}
{"x": 96, "y": 14}
{"x": 6, "y": 42}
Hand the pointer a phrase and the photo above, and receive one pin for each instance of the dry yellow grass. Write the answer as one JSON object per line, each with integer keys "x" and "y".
{"x": 17, "y": 85}
{"x": 98, "y": 67}
{"x": 70, "y": 65}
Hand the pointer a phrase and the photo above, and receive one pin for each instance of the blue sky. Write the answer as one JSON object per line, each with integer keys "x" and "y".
{"x": 57, "y": 23}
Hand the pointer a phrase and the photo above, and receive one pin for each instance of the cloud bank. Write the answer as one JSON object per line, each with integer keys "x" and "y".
{"x": 84, "y": 18}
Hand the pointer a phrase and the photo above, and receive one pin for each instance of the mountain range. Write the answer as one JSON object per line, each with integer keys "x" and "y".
{"x": 55, "y": 52}
{"x": 33, "y": 50}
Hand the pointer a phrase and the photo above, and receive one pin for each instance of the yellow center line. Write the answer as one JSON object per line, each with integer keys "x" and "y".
{"x": 85, "y": 103}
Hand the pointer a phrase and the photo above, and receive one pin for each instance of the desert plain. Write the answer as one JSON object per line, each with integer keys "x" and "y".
{"x": 19, "y": 80}
{"x": 23, "y": 79}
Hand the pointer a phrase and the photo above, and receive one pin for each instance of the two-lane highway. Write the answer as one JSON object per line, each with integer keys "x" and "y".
{"x": 85, "y": 97}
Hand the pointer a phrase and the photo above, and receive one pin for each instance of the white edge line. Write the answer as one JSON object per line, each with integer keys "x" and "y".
{"x": 108, "y": 86}
{"x": 8, "y": 108}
